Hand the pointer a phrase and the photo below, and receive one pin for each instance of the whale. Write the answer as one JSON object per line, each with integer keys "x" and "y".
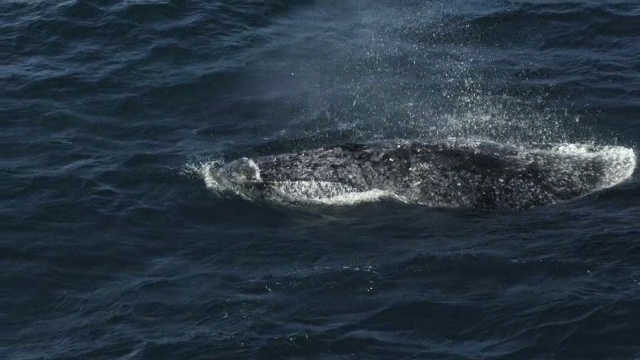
{"x": 448, "y": 173}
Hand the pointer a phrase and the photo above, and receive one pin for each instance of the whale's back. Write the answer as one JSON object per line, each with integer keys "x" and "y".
{"x": 445, "y": 174}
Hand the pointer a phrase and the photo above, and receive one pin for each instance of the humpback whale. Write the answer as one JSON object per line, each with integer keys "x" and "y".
{"x": 451, "y": 173}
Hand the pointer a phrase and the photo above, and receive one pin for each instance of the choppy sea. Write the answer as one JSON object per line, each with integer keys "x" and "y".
{"x": 112, "y": 246}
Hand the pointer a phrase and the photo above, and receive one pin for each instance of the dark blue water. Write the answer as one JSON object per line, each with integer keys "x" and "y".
{"x": 112, "y": 246}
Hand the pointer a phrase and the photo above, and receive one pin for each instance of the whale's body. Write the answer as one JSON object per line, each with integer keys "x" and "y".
{"x": 444, "y": 174}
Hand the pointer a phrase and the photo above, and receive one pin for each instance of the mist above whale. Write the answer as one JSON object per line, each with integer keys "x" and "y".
{"x": 451, "y": 173}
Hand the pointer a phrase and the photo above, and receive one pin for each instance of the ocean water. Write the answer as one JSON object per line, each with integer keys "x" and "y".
{"x": 113, "y": 246}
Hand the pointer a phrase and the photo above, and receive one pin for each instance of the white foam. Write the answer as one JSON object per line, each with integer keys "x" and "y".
{"x": 214, "y": 179}
{"x": 620, "y": 162}
{"x": 207, "y": 170}
{"x": 358, "y": 198}
{"x": 312, "y": 192}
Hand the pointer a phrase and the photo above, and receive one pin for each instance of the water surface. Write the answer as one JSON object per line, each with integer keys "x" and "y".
{"x": 112, "y": 247}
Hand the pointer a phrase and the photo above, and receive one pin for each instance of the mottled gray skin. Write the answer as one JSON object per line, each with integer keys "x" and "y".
{"x": 447, "y": 174}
